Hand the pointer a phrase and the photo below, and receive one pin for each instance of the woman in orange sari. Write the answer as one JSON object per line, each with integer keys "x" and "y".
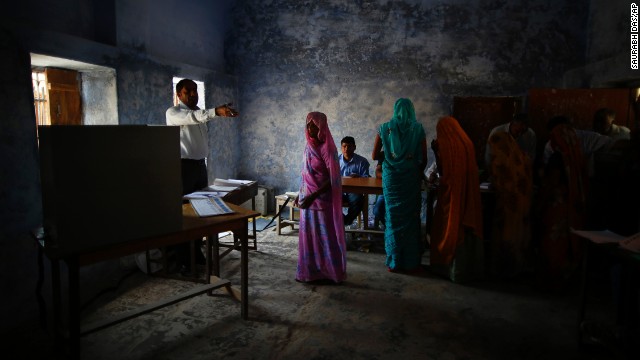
{"x": 511, "y": 177}
{"x": 457, "y": 250}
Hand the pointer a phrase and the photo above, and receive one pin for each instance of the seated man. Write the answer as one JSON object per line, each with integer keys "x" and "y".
{"x": 352, "y": 165}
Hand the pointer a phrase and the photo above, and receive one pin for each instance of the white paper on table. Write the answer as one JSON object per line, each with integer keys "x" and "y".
{"x": 632, "y": 243}
{"x": 221, "y": 188}
{"x": 240, "y": 182}
{"x": 600, "y": 237}
{"x": 203, "y": 195}
{"x": 210, "y": 207}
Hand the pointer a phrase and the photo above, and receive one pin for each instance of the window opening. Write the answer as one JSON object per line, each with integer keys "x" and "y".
{"x": 40, "y": 97}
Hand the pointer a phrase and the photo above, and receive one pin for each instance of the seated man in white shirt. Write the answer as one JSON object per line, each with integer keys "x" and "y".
{"x": 352, "y": 165}
{"x": 194, "y": 148}
{"x": 519, "y": 129}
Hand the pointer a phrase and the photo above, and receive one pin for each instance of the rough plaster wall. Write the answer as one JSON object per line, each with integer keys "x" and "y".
{"x": 608, "y": 51}
{"x": 224, "y": 149}
{"x": 608, "y": 29}
{"x": 99, "y": 98}
{"x": 144, "y": 93}
{"x": 353, "y": 59}
{"x": 144, "y": 90}
{"x": 183, "y": 31}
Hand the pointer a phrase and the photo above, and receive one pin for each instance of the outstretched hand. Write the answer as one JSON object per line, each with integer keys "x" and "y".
{"x": 227, "y": 110}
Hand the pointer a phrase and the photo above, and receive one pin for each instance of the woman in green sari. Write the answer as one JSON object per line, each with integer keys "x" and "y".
{"x": 405, "y": 156}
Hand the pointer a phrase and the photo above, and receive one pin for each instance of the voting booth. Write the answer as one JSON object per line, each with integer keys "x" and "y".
{"x": 109, "y": 184}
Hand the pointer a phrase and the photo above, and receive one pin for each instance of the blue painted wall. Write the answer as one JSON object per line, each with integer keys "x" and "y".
{"x": 353, "y": 59}
{"x": 282, "y": 59}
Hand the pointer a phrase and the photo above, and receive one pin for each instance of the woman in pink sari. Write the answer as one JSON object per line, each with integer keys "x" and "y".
{"x": 321, "y": 249}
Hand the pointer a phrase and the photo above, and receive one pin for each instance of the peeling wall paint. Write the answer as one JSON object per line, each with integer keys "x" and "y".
{"x": 353, "y": 59}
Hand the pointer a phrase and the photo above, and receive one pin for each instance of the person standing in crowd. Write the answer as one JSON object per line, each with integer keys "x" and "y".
{"x": 603, "y": 124}
{"x": 457, "y": 250}
{"x": 405, "y": 157}
{"x": 524, "y": 136}
{"x": 563, "y": 206}
{"x": 321, "y": 248}
{"x": 512, "y": 179}
{"x": 194, "y": 149}
{"x": 352, "y": 165}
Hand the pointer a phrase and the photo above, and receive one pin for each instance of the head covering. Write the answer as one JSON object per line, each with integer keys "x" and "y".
{"x": 320, "y": 164}
{"x": 458, "y": 203}
{"x": 402, "y": 134}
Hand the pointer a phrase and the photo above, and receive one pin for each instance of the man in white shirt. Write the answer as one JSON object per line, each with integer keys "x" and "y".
{"x": 603, "y": 124}
{"x": 519, "y": 129}
{"x": 194, "y": 149}
{"x": 194, "y": 139}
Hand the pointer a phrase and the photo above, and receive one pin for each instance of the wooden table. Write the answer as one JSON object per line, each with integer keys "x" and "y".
{"x": 192, "y": 227}
{"x": 239, "y": 196}
{"x": 363, "y": 185}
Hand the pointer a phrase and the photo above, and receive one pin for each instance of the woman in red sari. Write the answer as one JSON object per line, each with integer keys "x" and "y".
{"x": 321, "y": 248}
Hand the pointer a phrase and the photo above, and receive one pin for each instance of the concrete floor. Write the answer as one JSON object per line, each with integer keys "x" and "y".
{"x": 373, "y": 315}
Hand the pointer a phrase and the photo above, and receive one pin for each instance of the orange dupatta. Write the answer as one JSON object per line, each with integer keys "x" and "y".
{"x": 458, "y": 204}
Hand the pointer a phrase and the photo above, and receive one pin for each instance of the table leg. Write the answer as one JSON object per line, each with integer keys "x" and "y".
{"x": 215, "y": 248}
{"x": 278, "y": 224}
{"x": 244, "y": 276}
{"x": 74, "y": 307}
{"x": 208, "y": 265}
{"x": 365, "y": 212}
{"x": 584, "y": 288}
{"x": 56, "y": 303}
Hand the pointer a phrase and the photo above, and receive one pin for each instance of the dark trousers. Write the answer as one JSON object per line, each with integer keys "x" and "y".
{"x": 355, "y": 202}
{"x": 194, "y": 175}
{"x": 194, "y": 178}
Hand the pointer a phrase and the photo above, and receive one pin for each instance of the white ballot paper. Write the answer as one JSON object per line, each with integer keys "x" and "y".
{"x": 210, "y": 207}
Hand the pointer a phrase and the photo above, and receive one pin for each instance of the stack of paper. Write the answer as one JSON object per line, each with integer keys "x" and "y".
{"x": 631, "y": 243}
{"x": 227, "y": 185}
{"x": 599, "y": 237}
{"x": 203, "y": 195}
{"x": 210, "y": 207}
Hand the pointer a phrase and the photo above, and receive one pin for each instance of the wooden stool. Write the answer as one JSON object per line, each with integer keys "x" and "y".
{"x": 280, "y": 222}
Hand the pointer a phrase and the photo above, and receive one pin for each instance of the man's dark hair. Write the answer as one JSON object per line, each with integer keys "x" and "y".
{"x": 600, "y": 118}
{"x": 522, "y": 118}
{"x": 182, "y": 83}
{"x": 557, "y": 120}
{"x": 348, "y": 140}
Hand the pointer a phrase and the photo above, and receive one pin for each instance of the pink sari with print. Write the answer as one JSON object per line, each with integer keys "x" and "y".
{"x": 321, "y": 248}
